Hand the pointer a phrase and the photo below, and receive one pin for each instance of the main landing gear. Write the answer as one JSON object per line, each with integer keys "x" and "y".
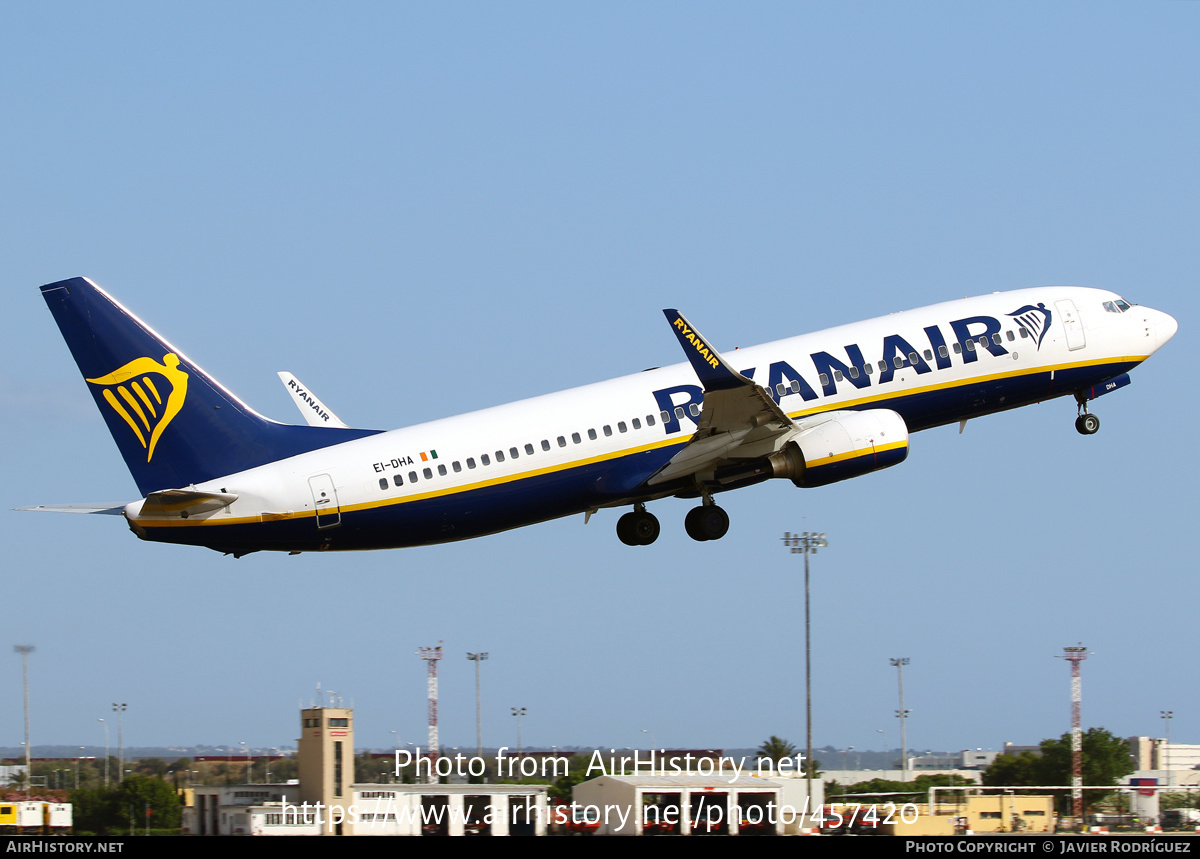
{"x": 707, "y": 522}
{"x": 638, "y": 528}
{"x": 1085, "y": 424}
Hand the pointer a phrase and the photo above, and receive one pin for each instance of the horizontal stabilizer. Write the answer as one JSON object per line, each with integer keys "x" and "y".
{"x": 108, "y": 509}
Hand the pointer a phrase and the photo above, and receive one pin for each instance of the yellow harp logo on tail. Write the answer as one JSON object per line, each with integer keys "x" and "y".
{"x": 134, "y": 395}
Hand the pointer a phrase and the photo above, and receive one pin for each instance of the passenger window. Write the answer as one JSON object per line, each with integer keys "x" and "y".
{"x": 513, "y": 453}
{"x": 575, "y": 438}
{"x": 695, "y": 410}
{"x": 545, "y": 444}
{"x": 442, "y": 470}
{"x": 428, "y": 474}
{"x": 898, "y": 361}
{"x": 837, "y": 375}
{"x": 383, "y": 483}
{"x": 883, "y": 366}
{"x": 868, "y": 368}
{"x": 562, "y": 442}
{"x": 499, "y": 456}
{"x": 592, "y": 434}
{"x": 666, "y": 418}
{"x": 637, "y": 423}
{"x": 928, "y": 355}
{"x": 824, "y": 379}
{"x": 457, "y": 466}
{"x": 853, "y": 372}
{"x": 470, "y": 462}
{"x": 650, "y": 420}
{"x": 607, "y": 430}
{"x": 412, "y": 477}
{"x": 1010, "y": 335}
{"x": 485, "y": 459}
{"x": 943, "y": 351}
{"x": 1024, "y": 331}
{"x": 779, "y": 389}
{"x": 795, "y": 389}
{"x": 529, "y": 449}
{"x": 397, "y": 479}
{"x": 970, "y": 345}
{"x": 957, "y": 348}
{"x": 621, "y": 426}
{"x": 996, "y": 339}
{"x": 914, "y": 358}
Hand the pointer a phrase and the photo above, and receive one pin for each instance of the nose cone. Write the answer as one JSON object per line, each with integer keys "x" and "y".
{"x": 1165, "y": 327}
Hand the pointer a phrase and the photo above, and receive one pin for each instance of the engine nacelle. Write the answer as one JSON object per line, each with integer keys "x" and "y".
{"x": 845, "y": 444}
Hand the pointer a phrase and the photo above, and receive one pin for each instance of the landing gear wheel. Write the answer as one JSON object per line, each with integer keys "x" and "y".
{"x": 706, "y": 523}
{"x": 638, "y": 528}
{"x": 1087, "y": 424}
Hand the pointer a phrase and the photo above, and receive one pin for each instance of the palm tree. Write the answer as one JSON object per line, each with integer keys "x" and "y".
{"x": 776, "y": 748}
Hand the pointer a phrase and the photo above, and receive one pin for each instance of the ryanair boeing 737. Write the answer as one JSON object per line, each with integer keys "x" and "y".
{"x": 812, "y": 409}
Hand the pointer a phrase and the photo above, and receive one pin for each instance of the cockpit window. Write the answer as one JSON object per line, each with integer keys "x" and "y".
{"x": 1111, "y": 307}
{"x": 1122, "y": 305}
{"x": 1118, "y": 306}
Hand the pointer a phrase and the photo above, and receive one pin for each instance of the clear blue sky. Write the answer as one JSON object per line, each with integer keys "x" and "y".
{"x": 423, "y": 209}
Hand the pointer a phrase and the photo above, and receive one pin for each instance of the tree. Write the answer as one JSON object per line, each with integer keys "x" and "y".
{"x": 1105, "y": 760}
{"x": 140, "y": 797}
{"x": 1105, "y": 757}
{"x": 776, "y": 748}
{"x": 1023, "y": 770}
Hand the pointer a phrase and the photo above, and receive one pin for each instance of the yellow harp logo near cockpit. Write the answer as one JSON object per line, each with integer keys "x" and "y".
{"x": 135, "y": 396}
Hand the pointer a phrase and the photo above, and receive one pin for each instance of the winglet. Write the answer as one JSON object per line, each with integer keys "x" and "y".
{"x": 315, "y": 412}
{"x": 714, "y": 373}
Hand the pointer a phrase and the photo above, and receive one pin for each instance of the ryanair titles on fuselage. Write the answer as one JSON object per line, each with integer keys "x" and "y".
{"x": 897, "y": 353}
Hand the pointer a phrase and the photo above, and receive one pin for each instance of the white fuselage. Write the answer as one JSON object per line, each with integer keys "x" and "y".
{"x": 597, "y": 445}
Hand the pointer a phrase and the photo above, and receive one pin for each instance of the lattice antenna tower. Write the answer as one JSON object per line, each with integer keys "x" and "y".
{"x": 431, "y": 655}
{"x": 1076, "y": 655}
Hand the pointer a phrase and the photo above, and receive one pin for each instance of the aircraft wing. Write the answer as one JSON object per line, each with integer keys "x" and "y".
{"x": 739, "y": 420}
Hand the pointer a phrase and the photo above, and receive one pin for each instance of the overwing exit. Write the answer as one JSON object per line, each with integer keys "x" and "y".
{"x": 812, "y": 409}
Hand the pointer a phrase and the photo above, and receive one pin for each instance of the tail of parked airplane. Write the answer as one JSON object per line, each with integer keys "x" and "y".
{"x": 173, "y": 423}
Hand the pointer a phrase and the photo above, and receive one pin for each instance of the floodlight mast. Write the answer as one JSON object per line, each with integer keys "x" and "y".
{"x": 25, "y": 650}
{"x": 902, "y": 714}
{"x": 477, "y": 658}
{"x": 806, "y": 544}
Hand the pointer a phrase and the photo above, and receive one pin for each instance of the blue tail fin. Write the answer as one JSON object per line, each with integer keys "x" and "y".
{"x": 174, "y": 424}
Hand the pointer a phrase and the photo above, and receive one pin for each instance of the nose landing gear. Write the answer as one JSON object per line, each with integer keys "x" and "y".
{"x": 1085, "y": 424}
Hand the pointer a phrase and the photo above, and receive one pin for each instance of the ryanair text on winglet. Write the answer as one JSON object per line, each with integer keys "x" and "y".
{"x": 691, "y": 337}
